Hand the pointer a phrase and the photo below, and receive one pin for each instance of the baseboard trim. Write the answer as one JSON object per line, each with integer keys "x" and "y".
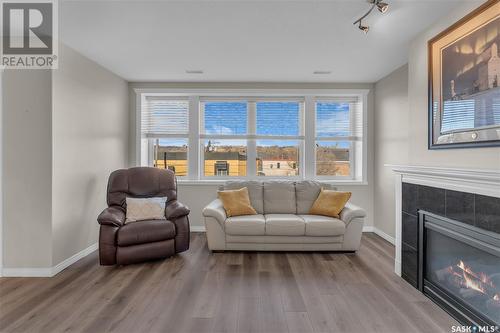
{"x": 198, "y": 228}
{"x": 380, "y": 233}
{"x": 27, "y": 272}
{"x": 71, "y": 260}
{"x": 49, "y": 272}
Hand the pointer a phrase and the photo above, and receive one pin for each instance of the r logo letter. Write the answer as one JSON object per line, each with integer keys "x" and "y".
{"x": 27, "y": 28}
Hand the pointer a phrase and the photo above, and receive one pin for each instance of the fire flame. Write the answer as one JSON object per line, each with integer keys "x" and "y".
{"x": 476, "y": 281}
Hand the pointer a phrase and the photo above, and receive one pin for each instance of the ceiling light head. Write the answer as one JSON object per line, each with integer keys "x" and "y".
{"x": 363, "y": 28}
{"x": 382, "y": 7}
{"x": 194, "y": 71}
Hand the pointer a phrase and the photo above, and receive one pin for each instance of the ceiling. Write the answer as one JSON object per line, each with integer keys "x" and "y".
{"x": 246, "y": 41}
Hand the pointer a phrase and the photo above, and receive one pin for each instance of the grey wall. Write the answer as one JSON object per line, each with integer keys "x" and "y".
{"x": 27, "y": 168}
{"x": 90, "y": 140}
{"x": 63, "y": 132}
{"x": 396, "y": 114}
{"x": 198, "y": 196}
{"x": 390, "y": 142}
{"x": 485, "y": 158}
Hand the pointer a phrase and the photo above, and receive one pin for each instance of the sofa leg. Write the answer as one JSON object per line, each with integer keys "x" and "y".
{"x": 218, "y": 251}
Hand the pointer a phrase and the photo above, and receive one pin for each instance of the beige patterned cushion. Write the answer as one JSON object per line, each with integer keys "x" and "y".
{"x": 140, "y": 209}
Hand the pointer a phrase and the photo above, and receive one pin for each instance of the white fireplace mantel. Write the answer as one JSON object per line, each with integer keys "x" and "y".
{"x": 478, "y": 181}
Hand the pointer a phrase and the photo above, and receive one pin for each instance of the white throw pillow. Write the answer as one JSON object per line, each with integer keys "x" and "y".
{"x": 140, "y": 209}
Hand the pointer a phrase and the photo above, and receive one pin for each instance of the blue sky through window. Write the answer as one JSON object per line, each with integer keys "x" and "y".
{"x": 332, "y": 119}
{"x": 226, "y": 118}
{"x": 278, "y": 118}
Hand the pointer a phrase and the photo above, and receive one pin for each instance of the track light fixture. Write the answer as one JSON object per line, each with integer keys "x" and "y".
{"x": 363, "y": 28}
{"x": 381, "y": 6}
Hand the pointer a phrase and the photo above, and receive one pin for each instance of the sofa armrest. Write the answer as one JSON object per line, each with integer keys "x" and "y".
{"x": 216, "y": 210}
{"x": 112, "y": 216}
{"x": 351, "y": 212}
{"x": 174, "y": 209}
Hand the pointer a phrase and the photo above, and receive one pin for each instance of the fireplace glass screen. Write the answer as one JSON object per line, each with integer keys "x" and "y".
{"x": 471, "y": 275}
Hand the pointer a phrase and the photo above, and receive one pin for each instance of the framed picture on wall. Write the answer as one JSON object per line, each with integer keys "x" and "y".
{"x": 464, "y": 82}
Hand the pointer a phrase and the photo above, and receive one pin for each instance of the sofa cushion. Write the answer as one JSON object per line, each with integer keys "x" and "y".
{"x": 255, "y": 192}
{"x": 330, "y": 203}
{"x": 317, "y": 225}
{"x": 236, "y": 202}
{"x": 253, "y": 225}
{"x": 279, "y": 197}
{"x": 142, "y": 232}
{"x": 307, "y": 192}
{"x": 284, "y": 225}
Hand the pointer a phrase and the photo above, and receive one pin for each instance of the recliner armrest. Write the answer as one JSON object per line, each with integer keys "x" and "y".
{"x": 216, "y": 210}
{"x": 174, "y": 209}
{"x": 351, "y": 212}
{"x": 113, "y": 216}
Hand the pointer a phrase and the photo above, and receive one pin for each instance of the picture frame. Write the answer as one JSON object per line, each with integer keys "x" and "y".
{"x": 464, "y": 82}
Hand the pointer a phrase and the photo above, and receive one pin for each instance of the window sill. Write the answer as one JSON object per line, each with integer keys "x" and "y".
{"x": 217, "y": 182}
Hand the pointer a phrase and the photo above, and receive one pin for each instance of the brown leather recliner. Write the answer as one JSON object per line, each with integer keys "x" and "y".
{"x": 121, "y": 243}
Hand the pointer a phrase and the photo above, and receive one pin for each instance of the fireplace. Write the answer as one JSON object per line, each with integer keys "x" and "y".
{"x": 459, "y": 269}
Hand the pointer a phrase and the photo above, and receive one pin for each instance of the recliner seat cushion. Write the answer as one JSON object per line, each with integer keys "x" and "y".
{"x": 145, "y": 232}
{"x": 317, "y": 225}
{"x": 284, "y": 225}
{"x": 255, "y": 192}
{"x": 279, "y": 197}
{"x": 252, "y": 225}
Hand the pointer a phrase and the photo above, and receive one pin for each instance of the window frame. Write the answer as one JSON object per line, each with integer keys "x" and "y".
{"x": 307, "y": 152}
{"x": 152, "y": 139}
{"x": 352, "y": 147}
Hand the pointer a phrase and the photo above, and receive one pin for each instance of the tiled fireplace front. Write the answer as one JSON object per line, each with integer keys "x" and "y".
{"x": 473, "y": 209}
{"x": 448, "y": 239}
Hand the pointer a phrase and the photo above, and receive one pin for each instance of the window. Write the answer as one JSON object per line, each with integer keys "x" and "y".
{"x": 338, "y": 135}
{"x": 164, "y": 131}
{"x": 278, "y": 126}
{"x": 235, "y": 132}
{"x": 171, "y": 154}
{"x": 224, "y": 133}
{"x": 219, "y": 137}
{"x": 225, "y": 158}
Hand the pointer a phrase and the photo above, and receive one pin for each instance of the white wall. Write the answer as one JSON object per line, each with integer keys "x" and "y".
{"x": 90, "y": 140}
{"x": 393, "y": 146}
{"x": 27, "y": 168}
{"x": 197, "y": 196}
{"x": 390, "y": 141}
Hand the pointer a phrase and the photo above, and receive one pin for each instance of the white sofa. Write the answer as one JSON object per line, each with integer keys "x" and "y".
{"x": 283, "y": 222}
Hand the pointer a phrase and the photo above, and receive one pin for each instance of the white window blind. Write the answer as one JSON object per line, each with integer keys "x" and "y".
{"x": 164, "y": 117}
{"x": 224, "y": 118}
{"x": 339, "y": 118}
{"x": 276, "y": 118}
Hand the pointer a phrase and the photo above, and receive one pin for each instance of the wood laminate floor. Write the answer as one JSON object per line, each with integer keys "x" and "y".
{"x": 199, "y": 291}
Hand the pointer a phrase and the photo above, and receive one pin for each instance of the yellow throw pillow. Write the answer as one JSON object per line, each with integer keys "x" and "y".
{"x": 236, "y": 202}
{"x": 330, "y": 203}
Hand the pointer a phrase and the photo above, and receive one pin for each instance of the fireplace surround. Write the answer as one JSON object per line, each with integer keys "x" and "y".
{"x": 452, "y": 218}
